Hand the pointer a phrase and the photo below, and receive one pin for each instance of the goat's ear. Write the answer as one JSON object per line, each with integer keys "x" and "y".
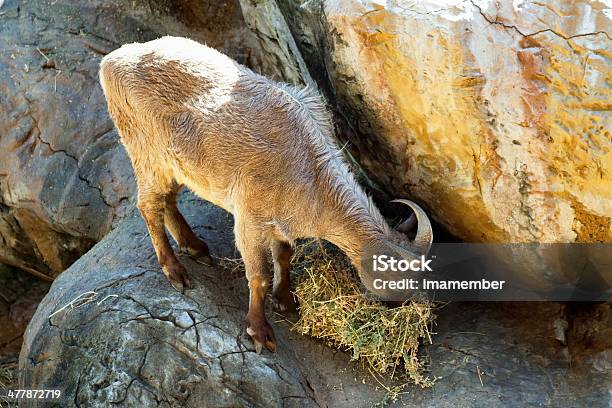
{"x": 424, "y": 236}
{"x": 407, "y": 226}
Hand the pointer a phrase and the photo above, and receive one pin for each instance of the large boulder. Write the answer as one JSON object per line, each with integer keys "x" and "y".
{"x": 495, "y": 115}
{"x": 65, "y": 180}
{"x": 113, "y": 331}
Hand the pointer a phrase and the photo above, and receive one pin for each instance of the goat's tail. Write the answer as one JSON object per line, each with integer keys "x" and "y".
{"x": 110, "y": 75}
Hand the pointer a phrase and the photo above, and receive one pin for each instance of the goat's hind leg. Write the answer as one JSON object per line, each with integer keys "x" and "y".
{"x": 152, "y": 203}
{"x": 182, "y": 233}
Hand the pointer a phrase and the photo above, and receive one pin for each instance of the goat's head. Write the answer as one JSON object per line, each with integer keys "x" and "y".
{"x": 397, "y": 244}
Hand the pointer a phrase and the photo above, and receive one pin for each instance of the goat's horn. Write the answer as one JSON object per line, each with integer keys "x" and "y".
{"x": 424, "y": 235}
{"x": 408, "y": 225}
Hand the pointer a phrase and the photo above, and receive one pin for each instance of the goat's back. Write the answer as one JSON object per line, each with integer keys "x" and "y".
{"x": 169, "y": 72}
{"x": 218, "y": 127}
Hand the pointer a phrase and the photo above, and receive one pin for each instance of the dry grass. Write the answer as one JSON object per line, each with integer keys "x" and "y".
{"x": 332, "y": 307}
{"x": 8, "y": 379}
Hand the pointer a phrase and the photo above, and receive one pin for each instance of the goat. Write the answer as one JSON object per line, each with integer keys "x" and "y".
{"x": 264, "y": 151}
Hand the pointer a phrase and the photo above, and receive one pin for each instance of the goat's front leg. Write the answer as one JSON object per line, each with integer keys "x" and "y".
{"x": 284, "y": 301}
{"x": 151, "y": 205}
{"x": 255, "y": 262}
{"x": 255, "y": 257}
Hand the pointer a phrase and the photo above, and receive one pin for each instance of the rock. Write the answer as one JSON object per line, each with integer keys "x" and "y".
{"x": 65, "y": 180}
{"x": 112, "y": 330}
{"x": 268, "y": 24}
{"x": 135, "y": 341}
{"x": 590, "y": 334}
{"x": 495, "y": 115}
{"x": 512, "y": 346}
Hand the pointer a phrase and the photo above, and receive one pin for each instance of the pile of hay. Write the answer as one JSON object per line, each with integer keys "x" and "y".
{"x": 332, "y": 308}
{"x": 8, "y": 380}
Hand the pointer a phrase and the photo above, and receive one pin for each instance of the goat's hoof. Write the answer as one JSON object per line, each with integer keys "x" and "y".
{"x": 200, "y": 256}
{"x": 285, "y": 304}
{"x": 204, "y": 260}
{"x": 262, "y": 336}
{"x": 178, "y": 277}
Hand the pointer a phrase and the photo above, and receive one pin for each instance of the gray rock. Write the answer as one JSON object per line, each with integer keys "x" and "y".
{"x": 268, "y": 24}
{"x": 131, "y": 340}
{"x": 135, "y": 341}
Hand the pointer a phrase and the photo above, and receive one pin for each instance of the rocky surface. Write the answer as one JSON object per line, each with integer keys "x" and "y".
{"x": 266, "y": 21}
{"x": 113, "y": 331}
{"x": 495, "y": 115}
{"x": 64, "y": 178}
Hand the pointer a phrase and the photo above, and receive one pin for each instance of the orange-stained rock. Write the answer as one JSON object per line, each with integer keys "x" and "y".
{"x": 495, "y": 115}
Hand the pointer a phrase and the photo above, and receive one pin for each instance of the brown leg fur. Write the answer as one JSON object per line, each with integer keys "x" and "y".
{"x": 182, "y": 233}
{"x": 254, "y": 254}
{"x": 284, "y": 301}
{"x": 151, "y": 205}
